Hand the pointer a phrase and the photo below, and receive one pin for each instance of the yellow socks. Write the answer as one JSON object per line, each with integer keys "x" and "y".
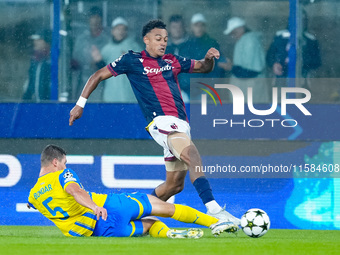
{"x": 184, "y": 214}
{"x": 190, "y": 215}
{"x": 158, "y": 229}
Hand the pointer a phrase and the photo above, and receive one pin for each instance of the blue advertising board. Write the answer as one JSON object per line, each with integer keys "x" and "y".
{"x": 300, "y": 201}
{"x": 126, "y": 121}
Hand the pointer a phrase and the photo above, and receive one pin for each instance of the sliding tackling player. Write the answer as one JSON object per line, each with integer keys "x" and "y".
{"x": 60, "y": 197}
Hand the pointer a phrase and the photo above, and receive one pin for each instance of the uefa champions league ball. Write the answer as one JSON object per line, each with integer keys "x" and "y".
{"x": 255, "y": 222}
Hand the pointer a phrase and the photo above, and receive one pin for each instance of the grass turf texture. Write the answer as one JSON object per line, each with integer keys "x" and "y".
{"x": 49, "y": 240}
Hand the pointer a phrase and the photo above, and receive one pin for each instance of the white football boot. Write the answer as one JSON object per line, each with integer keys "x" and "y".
{"x": 191, "y": 233}
{"x": 223, "y": 226}
{"x": 225, "y": 216}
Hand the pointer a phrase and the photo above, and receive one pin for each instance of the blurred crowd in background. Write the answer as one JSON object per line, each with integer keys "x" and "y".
{"x": 251, "y": 47}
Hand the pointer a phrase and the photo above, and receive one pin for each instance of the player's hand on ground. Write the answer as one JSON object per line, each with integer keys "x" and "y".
{"x": 100, "y": 212}
{"x": 75, "y": 113}
{"x": 212, "y": 53}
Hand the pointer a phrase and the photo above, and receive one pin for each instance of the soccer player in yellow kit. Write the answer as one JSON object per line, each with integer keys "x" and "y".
{"x": 59, "y": 196}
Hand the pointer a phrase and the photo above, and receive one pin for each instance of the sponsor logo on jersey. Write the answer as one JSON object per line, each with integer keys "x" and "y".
{"x": 149, "y": 70}
{"x": 168, "y": 61}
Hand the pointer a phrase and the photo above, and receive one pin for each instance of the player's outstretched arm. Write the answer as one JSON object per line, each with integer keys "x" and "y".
{"x": 83, "y": 198}
{"x": 92, "y": 83}
{"x": 206, "y": 65}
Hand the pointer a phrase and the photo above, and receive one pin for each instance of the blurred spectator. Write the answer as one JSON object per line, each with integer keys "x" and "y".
{"x": 248, "y": 60}
{"x": 85, "y": 46}
{"x": 38, "y": 86}
{"x": 178, "y": 38}
{"x": 278, "y": 59}
{"x": 198, "y": 45}
{"x": 178, "y": 45}
{"x": 117, "y": 90}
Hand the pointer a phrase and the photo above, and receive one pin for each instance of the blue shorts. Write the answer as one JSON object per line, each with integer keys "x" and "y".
{"x": 124, "y": 211}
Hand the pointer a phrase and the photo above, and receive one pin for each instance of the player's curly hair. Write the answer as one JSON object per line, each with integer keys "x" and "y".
{"x": 51, "y": 152}
{"x": 155, "y": 23}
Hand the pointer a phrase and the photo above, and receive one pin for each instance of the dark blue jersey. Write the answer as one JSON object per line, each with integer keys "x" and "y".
{"x": 154, "y": 82}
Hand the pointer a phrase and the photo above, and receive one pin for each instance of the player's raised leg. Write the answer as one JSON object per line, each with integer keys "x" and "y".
{"x": 184, "y": 149}
{"x": 189, "y": 215}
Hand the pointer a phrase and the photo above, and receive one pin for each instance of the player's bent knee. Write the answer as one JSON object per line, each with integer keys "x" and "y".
{"x": 177, "y": 142}
{"x": 190, "y": 154}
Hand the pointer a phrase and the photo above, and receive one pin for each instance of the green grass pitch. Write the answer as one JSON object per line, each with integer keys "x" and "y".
{"x": 49, "y": 240}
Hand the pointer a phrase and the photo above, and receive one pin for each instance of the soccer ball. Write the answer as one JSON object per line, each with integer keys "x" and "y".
{"x": 255, "y": 222}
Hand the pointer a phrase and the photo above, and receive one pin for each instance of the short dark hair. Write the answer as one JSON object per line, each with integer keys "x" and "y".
{"x": 176, "y": 18}
{"x": 51, "y": 152}
{"x": 95, "y": 11}
{"x": 156, "y": 23}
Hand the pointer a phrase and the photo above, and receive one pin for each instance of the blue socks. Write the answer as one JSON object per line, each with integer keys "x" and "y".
{"x": 203, "y": 189}
{"x": 154, "y": 193}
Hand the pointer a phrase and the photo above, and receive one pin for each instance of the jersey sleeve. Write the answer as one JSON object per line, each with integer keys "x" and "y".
{"x": 29, "y": 201}
{"x": 67, "y": 177}
{"x": 120, "y": 65}
{"x": 31, "y": 205}
{"x": 187, "y": 65}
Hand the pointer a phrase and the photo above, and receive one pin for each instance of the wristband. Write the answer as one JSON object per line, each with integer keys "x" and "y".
{"x": 81, "y": 101}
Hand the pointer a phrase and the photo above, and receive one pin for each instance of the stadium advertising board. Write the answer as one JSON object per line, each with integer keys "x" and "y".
{"x": 300, "y": 199}
{"x": 16, "y": 121}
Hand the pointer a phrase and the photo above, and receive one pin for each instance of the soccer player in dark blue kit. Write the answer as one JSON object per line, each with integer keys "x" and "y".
{"x": 153, "y": 77}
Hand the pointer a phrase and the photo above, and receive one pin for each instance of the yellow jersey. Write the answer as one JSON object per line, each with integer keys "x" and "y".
{"x": 49, "y": 197}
